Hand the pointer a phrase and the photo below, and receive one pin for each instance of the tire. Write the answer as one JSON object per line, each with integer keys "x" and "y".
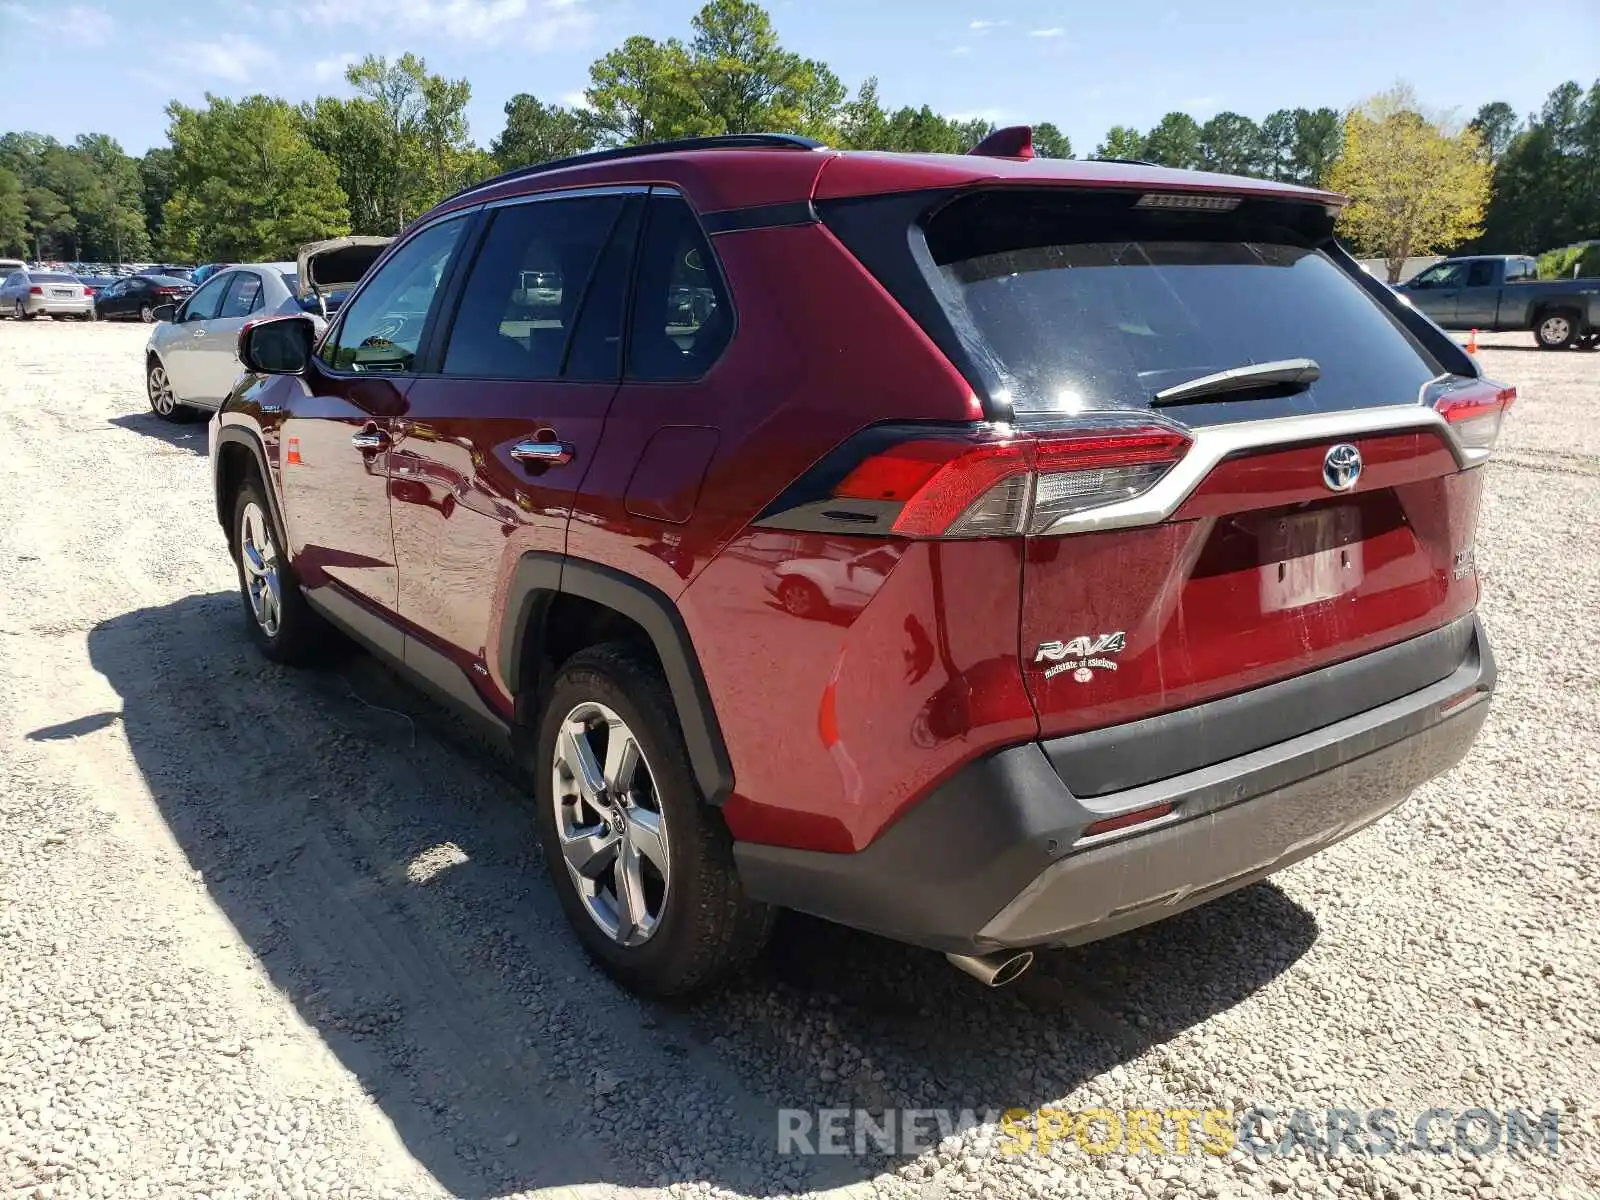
{"x": 1556, "y": 330}
{"x": 281, "y": 623}
{"x": 698, "y": 925}
{"x": 147, "y": 314}
{"x": 20, "y": 312}
{"x": 158, "y": 388}
{"x": 801, "y": 598}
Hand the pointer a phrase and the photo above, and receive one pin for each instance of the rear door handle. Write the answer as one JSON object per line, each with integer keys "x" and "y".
{"x": 551, "y": 453}
{"x": 370, "y": 440}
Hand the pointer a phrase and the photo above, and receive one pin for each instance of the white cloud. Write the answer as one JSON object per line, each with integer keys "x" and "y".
{"x": 229, "y": 56}
{"x": 332, "y": 69}
{"x": 575, "y": 100}
{"x": 983, "y": 26}
{"x": 79, "y": 24}
{"x": 961, "y": 50}
{"x": 536, "y": 24}
{"x": 1054, "y": 31}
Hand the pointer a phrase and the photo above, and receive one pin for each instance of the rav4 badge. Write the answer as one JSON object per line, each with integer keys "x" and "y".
{"x": 1082, "y": 655}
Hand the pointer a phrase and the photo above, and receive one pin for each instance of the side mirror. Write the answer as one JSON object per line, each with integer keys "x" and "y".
{"x": 165, "y": 312}
{"x": 280, "y": 346}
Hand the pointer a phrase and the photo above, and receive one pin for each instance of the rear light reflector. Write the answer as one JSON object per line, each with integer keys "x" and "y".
{"x": 1123, "y": 820}
{"x": 1475, "y": 413}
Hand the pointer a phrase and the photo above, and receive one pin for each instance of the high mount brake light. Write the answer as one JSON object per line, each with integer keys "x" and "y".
{"x": 1475, "y": 412}
{"x": 1013, "y": 484}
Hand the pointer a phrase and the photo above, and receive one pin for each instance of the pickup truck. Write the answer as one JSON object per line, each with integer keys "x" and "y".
{"x": 1498, "y": 292}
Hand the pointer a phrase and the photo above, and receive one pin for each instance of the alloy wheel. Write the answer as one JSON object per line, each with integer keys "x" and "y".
{"x": 161, "y": 398}
{"x": 258, "y": 558}
{"x": 147, "y": 315}
{"x": 1554, "y": 330}
{"x": 610, "y": 824}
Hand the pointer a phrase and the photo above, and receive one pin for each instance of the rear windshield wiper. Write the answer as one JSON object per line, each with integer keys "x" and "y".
{"x": 1285, "y": 375}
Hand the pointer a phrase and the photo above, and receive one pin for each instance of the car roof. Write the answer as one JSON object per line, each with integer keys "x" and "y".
{"x": 718, "y": 176}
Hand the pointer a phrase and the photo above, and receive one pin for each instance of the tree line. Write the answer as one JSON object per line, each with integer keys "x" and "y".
{"x": 254, "y": 178}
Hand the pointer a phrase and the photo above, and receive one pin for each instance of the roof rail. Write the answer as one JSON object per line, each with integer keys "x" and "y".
{"x": 1130, "y": 162}
{"x": 721, "y": 141}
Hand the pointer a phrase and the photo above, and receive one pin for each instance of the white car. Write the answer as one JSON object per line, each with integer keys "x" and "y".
{"x": 192, "y": 359}
{"x": 26, "y": 294}
{"x": 816, "y": 587}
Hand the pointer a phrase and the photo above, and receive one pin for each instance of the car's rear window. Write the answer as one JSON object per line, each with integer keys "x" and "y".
{"x": 51, "y": 277}
{"x": 1076, "y": 305}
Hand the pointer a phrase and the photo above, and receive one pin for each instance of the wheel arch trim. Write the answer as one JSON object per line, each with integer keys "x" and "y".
{"x": 228, "y": 435}
{"x": 540, "y": 577}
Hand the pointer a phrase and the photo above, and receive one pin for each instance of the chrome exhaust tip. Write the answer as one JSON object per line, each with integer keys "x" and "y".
{"x": 994, "y": 970}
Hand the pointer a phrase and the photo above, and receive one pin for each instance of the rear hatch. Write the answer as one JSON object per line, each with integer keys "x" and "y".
{"x": 1186, "y": 546}
{"x": 325, "y": 272}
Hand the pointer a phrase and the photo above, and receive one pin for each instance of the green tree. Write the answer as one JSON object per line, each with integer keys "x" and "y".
{"x": 1547, "y": 180}
{"x": 747, "y": 83}
{"x": 643, "y": 91}
{"x": 1174, "y": 142}
{"x": 354, "y": 136}
{"x": 1122, "y": 141}
{"x": 445, "y": 137}
{"x": 155, "y": 189}
{"x": 1230, "y": 143}
{"x": 1318, "y": 141}
{"x": 51, "y": 225}
{"x": 247, "y": 182}
{"x": 13, "y": 214}
{"x": 1496, "y": 124}
{"x": 863, "y": 124}
{"x": 1275, "y": 148}
{"x": 1415, "y": 186}
{"x": 537, "y": 132}
{"x": 1050, "y": 142}
{"x": 403, "y": 173}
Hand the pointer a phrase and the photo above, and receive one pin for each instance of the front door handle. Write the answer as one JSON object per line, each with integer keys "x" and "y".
{"x": 369, "y": 441}
{"x": 540, "y": 453}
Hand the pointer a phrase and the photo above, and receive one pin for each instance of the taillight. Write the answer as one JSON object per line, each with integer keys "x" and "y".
{"x": 1475, "y": 411}
{"x": 990, "y": 483}
{"x": 36, "y": 290}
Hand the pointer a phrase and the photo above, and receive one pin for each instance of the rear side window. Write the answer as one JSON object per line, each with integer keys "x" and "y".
{"x": 1481, "y": 274}
{"x": 1076, "y": 304}
{"x": 527, "y": 285}
{"x": 681, "y": 316}
{"x": 244, "y": 295}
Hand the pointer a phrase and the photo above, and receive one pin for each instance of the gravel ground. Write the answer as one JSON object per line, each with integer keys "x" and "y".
{"x": 266, "y": 933}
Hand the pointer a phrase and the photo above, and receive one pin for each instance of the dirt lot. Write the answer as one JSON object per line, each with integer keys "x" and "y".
{"x": 261, "y": 938}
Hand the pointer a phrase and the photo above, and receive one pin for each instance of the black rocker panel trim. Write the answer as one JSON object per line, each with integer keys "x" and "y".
{"x": 540, "y": 577}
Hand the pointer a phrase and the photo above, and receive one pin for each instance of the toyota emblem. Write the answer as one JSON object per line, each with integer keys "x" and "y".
{"x": 1341, "y": 467}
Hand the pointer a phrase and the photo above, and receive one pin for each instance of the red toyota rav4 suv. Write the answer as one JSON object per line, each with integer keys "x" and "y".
{"x": 987, "y": 552}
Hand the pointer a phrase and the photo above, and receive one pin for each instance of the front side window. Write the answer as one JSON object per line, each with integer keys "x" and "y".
{"x": 1443, "y": 275}
{"x": 531, "y": 276}
{"x": 382, "y": 329}
{"x": 681, "y": 315}
{"x": 244, "y": 295}
{"x": 204, "y": 304}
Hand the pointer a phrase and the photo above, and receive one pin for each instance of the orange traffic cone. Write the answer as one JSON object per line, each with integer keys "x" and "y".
{"x": 1472, "y": 342}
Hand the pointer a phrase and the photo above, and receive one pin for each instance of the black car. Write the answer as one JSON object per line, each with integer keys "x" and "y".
{"x": 137, "y": 297}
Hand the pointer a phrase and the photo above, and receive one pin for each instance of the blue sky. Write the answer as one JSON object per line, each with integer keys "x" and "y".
{"x": 111, "y": 65}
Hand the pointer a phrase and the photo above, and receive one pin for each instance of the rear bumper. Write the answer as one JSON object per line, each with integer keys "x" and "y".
{"x": 50, "y": 306}
{"x": 997, "y": 856}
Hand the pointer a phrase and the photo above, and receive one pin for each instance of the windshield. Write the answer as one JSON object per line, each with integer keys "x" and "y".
{"x": 1074, "y": 308}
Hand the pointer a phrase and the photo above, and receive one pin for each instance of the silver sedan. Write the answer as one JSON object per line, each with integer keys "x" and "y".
{"x": 191, "y": 362}
{"x": 25, "y": 294}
